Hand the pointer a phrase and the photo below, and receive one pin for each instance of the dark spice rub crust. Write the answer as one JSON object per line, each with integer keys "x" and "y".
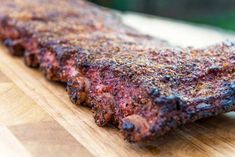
{"x": 137, "y": 82}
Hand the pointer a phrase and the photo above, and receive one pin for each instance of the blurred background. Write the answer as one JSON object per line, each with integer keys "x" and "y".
{"x": 219, "y": 13}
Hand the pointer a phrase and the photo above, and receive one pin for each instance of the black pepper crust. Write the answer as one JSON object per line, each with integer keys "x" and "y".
{"x": 139, "y": 83}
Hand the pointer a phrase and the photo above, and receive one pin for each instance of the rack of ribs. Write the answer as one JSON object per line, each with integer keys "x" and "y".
{"x": 139, "y": 83}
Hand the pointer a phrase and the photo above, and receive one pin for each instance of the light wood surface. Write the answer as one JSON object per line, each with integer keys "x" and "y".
{"x": 38, "y": 120}
{"x": 178, "y": 32}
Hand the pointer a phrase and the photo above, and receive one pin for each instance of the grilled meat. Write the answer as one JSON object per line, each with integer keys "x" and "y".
{"x": 139, "y": 83}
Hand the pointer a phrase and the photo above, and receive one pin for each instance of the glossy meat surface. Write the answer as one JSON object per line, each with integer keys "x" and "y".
{"x": 139, "y": 83}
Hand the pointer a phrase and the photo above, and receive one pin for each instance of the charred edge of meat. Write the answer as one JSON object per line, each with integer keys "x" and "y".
{"x": 32, "y": 53}
{"x": 175, "y": 112}
{"x": 78, "y": 88}
{"x": 19, "y": 43}
{"x": 15, "y": 47}
{"x": 136, "y": 128}
{"x": 104, "y": 109}
{"x": 31, "y": 59}
{"x": 11, "y": 37}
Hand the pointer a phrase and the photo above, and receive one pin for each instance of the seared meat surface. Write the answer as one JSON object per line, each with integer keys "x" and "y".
{"x": 139, "y": 83}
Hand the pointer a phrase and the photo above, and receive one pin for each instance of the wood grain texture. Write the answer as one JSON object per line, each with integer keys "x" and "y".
{"x": 37, "y": 119}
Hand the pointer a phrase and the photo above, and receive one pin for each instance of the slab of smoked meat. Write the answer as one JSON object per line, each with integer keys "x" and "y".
{"x": 134, "y": 81}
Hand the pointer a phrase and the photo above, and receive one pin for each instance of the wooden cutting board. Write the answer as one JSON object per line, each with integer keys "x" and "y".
{"x": 38, "y": 120}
